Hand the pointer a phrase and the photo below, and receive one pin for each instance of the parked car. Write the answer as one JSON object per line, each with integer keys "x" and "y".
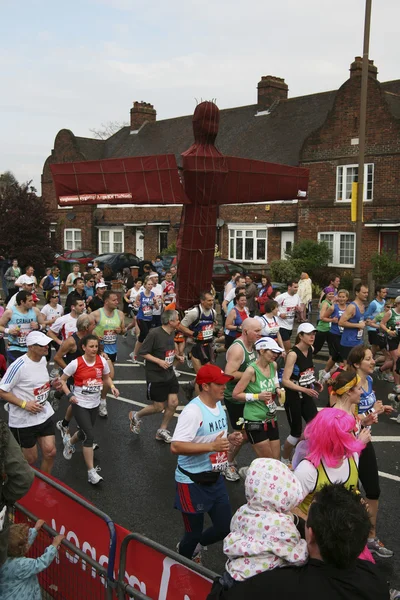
{"x": 117, "y": 261}
{"x": 83, "y": 257}
{"x": 393, "y": 287}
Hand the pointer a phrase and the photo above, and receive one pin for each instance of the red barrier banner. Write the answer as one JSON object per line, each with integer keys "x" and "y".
{"x": 147, "y": 569}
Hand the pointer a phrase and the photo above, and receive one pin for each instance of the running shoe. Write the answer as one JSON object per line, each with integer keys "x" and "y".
{"x": 321, "y": 376}
{"x": 53, "y": 400}
{"x": 69, "y": 449}
{"x": 134, "y": 422}
{"x": 394, "y": 594}
{"x": 287, "y": 462}
{"x": 398, "y": 419}
{"x": 63, "y": 430}
{"x": 103, "y": 409}
{"x": 188, "y": 389}
{"x": 197, "y": 554}
{"x": 231, "y": 473}
{"x": 164, "y": 436}
{"x": 189, "y": 361}
{"x": 95, "y": 445}
{"x": 54, "y": 373}
{"x": 243, "y": 472}
{"x": 93, "y": 475}
{"x": 375, "y": 546}
{"x": 134, "y": 360}
{"x": 388, "y": 377}
{"x": 177, "y": 373}
{"x": 393, "y": 400}
{"x": 396, "y": 389}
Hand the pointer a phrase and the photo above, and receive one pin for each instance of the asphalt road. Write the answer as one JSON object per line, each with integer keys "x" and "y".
{"x": 138, "y": 487}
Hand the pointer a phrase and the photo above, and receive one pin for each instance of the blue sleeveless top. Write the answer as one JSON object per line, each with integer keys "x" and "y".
{"x": 353, "y": 337}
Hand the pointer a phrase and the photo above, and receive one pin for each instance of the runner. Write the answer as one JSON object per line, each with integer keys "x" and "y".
{"x": 72, "y": 276}
{"x": 335, "y": 335}
{"x": 352, "y": 320}
{"x": 158, "y": 293}
{"x": 298, "y": 379}
{"x": 288, "y": 304}
{"x": 98, "y": 300}
{"x": 390, "y": 324}
{"x": 325, "y": 320}
{"x": 27, "y": 278}
{"x": 333, "y": 282}
{"x": 269, "y": 322}
{"x": 145, "y": 302}
{"x": 18, "y": 322}
{"x": 89, "y": 372}
{"x": 109, "y": 323}
{"x": 130, "y": 298}
{"x": 78, "y": 293}
{"x": 234, "y": 321}
{"x": 168, "y": 289}
{"x": 158, "y": 350}
{"x": 259, "y": 389}
{"x": 52, "y": 310}
{"x": 240, "y": 284}
{"x": 65, "y": 326}
{"x": 26, "y": 387}
{"x": 52, "y": 282}
{"x": 27, "y": 286}
{"x": 201, "y": 442}
{"x": 238, "y": 358}
{"x": 376, "y": 338}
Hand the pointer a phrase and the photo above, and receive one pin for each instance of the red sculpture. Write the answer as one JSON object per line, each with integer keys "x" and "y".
{"x": 209, "y": 179}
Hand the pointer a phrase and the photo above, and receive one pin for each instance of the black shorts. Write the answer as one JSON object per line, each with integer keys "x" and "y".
{"x": 377, "y": 339}
{"x": 334, "y": 346}
{"x": 298, "y": 406}
{"x": 28, "y": 436}
{"x": 160, "y": 390}
{"x": 286, "y": 334}
{"x": 112, "y": 357}
{"x": 345, "y": 351}
{"x": 392, "y": 343}
{"x": 12, "y": 355}
{"x": 235, "y": 412}
{"x": 204, "y": 353}
{"x": 271, "y": 433}
{"x": 144, "y": 327}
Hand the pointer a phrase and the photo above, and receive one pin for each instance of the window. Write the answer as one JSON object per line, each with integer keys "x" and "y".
{"x": 348, "y": 174}
{"x": 389, "y": 241}
{"x": 248, "y": 244}
{"x": 162, "y": 238}
{"x": 342, "y": 247}
{"x": 111, "y": 240}
{"x": 72, "y": 239}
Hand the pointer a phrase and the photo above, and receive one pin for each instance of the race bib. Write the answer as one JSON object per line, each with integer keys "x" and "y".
{"x": 307, "y": 377}
{"x": 109, "y": 337}
{"x": 23, "y": 331}
{"x": 170, "y": 357}
{"x": 42, "y": 393}
{"x": 92, "y": 386}
{"x": 147, "y": 310}
{"x": 360, "y": 334}
{"x": 341, "y": 329}
{"x": 207, "y": 331}
{"x": 219, "y": 461}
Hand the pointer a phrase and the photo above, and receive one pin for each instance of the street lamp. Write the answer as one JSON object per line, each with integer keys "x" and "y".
{"x": 361, "y": 147}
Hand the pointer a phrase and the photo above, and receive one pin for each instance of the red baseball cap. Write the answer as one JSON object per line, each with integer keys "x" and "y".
{"x": 212, "y": 374}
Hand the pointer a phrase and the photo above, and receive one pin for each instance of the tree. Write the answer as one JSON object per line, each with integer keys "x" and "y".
{"x": 107, "y": 129}
{"x": 315, "y": 256}
{"x": 25, "y": 226}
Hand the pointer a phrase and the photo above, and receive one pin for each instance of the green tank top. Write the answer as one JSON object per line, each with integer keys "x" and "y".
{"x": 105, "y": 329}
{"x": 258, "y": 410}
{"x": 322, "y": 479}
{"x": 323, "y": 326}
{"x": 248, "y": 357}
{"x": 394, "y": 321}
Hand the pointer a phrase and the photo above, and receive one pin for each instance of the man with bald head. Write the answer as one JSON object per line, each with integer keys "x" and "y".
{"x": 238, "y": 357}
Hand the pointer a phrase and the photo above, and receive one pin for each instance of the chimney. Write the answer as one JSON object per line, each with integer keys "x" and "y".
{"x": 271, "y": 89}
{"x": 356, "y": 68}
{"x": 141, "y": 113}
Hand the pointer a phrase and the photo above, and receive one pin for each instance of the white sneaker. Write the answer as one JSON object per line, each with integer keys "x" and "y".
{"x": 398, "y": 419}
{"x": 231, "y": 473}
{"x": 95, "y": 445}
{"x": 287, "y": 462}
{"x": 93, "y": 475}
{"x": 103, "y": 409}
{"x": 54, "y": 373}
{"x": 134, "y": 360}
{"x": 63, "y": 430}
{"x": 134, "y": 422}
{"x": 321, "y": 376}
{"x": 243, "y": 472}
{"x": 177, "y": 373}
{"x": 189, "y": 361}
{"x": 69, "y": 449}
{"x": 164, "y": 436}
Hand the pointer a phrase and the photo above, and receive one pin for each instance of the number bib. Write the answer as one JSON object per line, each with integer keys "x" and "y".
{"x": 307, "y": 377}
{"x": 42, "y": 393}
{"x": 147, "y": 310}
{"x": 207, "y": 332}
{"x": 219, "y": 461}
{"x": 92, "y": 386}
{"x": 170, "y": 357}
{"x": 23, "y": 331}
{"x": 109, "y": 337}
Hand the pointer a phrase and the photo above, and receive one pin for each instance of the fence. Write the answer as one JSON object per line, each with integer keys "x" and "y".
{"x": 99, "y": 559}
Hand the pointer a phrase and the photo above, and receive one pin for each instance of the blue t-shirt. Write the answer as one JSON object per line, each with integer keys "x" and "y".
{"x": 368, "y": 398}
{"x": 374, "y": 309}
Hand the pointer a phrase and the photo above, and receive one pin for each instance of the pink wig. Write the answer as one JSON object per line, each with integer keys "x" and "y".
{"x": 330, "y": 437}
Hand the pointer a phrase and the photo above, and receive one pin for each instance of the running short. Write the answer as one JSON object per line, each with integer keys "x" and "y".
{"x": 377, "y": 339}
{"x": 158, "y": 391}
{"x": 12, "y": 355}
{"x": 334, "y": 346}
{"x": 271, "y": 433}
{"x": 235, "y": 412}
{"x": 204, "y": 353}
{"x": 28, "y": 436}
{"x": 392, "y": 343}
{"x": 112, "y": 357}
{"x": 286, "y": 334}
{"x": 345, "y": 351}
{"x": 298, "y": 406}
{"x": 196, "y": 498}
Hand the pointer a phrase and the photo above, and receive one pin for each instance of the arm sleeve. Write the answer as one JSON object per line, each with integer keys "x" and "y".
{"x": 19, "y": 475}
{"x": 32, "y": 535}
{"x": 188, "y": 423}
{"x": 57, "y": 325}
{"x": 71, "y": 368}
{"x": 11, "y": 377}
{"x": 32, "y": 566}
{"x": 306, "y": 473}
{"x": 190, "y": 317}
{"x": 106, "y": 369}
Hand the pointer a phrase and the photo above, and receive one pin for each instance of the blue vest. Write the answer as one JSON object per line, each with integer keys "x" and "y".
{"x": 203, "y": 329}
{"x": 210, "y": 428}
{"x": 337, "y": 312}
{"x": 145, "y": 312}
{"x": 351, "y": 336}
{"x": 367, "y": 399}
{"x": 22, "y": 321}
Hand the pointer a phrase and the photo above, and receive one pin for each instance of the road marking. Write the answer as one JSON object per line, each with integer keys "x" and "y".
{"x": 385, "y": 438}
{"x": 135, "y": 402}
{"x": 138, "y": 381}
{"x": 389, "y": 476}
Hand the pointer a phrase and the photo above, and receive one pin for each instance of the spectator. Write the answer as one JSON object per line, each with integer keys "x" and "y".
{"x": 305, "y": 294}
{"x": 251, "y": 293}
{"x": 159, "y": 265}
{"x": 264, "y": 293}
{"x": 11, "y": 276}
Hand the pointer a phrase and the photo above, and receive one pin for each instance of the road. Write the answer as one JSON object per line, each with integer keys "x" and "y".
{"x": 138, "y": 487}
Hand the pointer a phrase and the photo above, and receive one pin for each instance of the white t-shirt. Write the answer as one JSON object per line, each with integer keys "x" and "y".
{"x": 26, "y": 279}
{"x": 287, "y": 304}
{"x": 88, "y": 396}
{"x": 230, "y": 295}
{"x": 12, "y": 302}
{"x": 66, "y": 325}
{"x": 50, "y": 312}
{"x": 306, "y": 473}
{"x": 134, "y": 293}
{"x": 27, "y": 380}
{"x": 189, "y": 422}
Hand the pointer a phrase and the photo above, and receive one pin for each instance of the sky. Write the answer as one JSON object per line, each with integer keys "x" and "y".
{"x": 77, "y": 65}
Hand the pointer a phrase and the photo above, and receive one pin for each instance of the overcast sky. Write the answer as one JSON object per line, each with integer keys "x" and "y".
{"x": 78, "y": 64}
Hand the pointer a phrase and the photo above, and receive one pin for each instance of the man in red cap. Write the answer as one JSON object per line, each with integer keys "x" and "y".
{"x": 201, "y": 441}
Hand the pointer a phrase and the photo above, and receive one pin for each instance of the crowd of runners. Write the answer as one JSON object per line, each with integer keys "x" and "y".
{"x": 270, "y": 349}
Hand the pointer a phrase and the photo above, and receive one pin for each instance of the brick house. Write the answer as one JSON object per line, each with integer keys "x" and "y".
{"x": 318, "y": 131}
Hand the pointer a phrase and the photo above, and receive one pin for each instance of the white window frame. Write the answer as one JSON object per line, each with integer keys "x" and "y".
{"x": 243, "y": 227}
{"x": 336, "y": 247}
{"x": 112, "y": 231}
{"x": 368, "y": 173}
{"x": 76, "y": 244}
